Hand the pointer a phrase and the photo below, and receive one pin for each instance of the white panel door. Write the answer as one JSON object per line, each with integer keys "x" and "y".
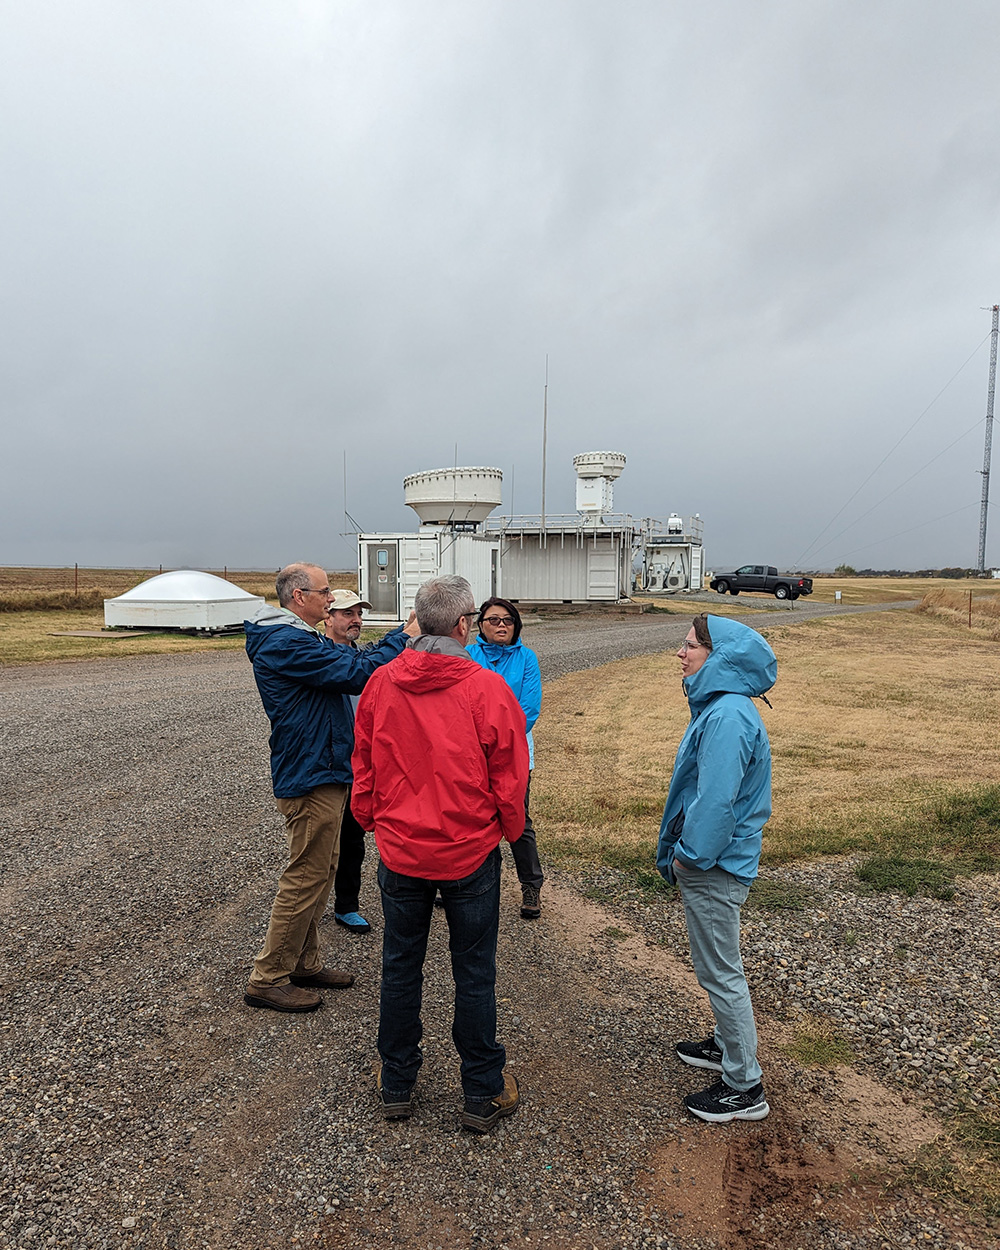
{"x": 602, "y": 574}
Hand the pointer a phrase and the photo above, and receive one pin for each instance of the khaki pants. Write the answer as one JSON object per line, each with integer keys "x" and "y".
{"x": 312, "y": 823}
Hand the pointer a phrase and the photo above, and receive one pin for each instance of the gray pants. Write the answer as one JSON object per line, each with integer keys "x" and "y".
{"x": 712, "y": 901}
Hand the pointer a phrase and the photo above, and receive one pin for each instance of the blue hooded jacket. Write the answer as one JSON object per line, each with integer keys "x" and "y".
{"x": 518, "y": 666}
{"x": 305, "y": 683}
{"x": 720, "y": 792}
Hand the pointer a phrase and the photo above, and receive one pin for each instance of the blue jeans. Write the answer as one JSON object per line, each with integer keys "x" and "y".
{"x": 712, "y": 900}
{"x": 472, "y": 908}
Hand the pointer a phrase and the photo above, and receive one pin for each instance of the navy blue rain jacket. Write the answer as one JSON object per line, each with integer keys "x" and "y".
{"x": 305, "y": 683}
{"x": 720, "y": 792}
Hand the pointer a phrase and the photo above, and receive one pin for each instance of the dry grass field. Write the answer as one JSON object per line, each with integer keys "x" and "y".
{"x": 893, "y": 589}
{"x": 37, "y": 604}
{"x": 876, "y": 721}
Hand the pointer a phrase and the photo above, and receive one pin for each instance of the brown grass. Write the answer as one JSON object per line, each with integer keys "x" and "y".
{"x": 894, "y": 589}
{"x": 48, "y": 590}
{"x": 965, "y": 608}
{"x": 35, "y": 603}
{"x": 874, "y": 717}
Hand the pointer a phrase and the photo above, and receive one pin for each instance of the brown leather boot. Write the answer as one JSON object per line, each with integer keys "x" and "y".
{"x": 324, "y": 979}
{"x": 282, "y": 998}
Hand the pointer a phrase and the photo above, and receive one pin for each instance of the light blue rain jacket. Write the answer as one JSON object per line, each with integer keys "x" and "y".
{"x": 518, "y": 666}
{"x": 720, "y": 792}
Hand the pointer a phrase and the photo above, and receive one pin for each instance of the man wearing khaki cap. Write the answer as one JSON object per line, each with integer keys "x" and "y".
{"x": 343, "y": 627}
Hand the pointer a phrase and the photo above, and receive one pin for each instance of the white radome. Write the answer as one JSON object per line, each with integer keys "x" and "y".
{"x": 182, "y": 599}
{"x": 453, "y": 496}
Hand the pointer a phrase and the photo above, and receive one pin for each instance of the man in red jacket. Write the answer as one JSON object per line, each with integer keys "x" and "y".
{"x": 440, "y": 769}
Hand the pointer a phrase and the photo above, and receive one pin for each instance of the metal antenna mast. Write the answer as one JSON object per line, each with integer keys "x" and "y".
{"x": 545, "y": 433}
{"x": 988, "y": 451}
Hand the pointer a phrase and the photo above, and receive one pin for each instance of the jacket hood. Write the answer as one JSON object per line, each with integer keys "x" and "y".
{"x": 418, "y": 670}
{"x": 268, "y": 614}
{"x": 259, "y": 626}
{"x": 740, "y": 662}
{"x": 495, "y": 650}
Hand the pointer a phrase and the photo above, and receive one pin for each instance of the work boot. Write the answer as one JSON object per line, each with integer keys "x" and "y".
{"x": 531, "y": 907}
{"x": 282, "y": 998}
{"x": 481, "y": 1116}
{"x": 394, "y": 1106}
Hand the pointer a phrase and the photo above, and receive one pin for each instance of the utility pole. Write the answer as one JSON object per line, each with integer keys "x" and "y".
{"x": 988, "y": 451}
{"x": 545, "y": 433}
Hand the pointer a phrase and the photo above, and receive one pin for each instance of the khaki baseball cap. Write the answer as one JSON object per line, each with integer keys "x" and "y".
{"x": 347, "y": 599}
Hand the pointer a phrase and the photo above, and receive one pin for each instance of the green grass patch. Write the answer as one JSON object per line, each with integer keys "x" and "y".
{"x": 894, "y": 874}
{"x": 965, "y": 1161}
{"x": 956, "y": 835}
{"x": 967, "y": 824}
{"x": 769, "y": 895}
{"x": 817, "y": 1045}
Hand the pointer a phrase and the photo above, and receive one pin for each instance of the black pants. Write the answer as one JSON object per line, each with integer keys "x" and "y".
{"x": 347, "y": 883}
{"x": 524, "y": 850}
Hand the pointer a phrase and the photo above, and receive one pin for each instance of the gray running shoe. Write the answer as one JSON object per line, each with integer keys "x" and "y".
{"x": 704, "y": 1054}
{"x": 720, "y": 1103}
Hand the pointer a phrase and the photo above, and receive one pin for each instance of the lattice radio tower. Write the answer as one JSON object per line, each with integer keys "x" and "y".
{"x": 988, "y": 451}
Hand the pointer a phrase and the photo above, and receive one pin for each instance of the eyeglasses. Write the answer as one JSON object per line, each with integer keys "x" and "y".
{"x": 467, "y": 616}
{"x": 498, "y": 620}
{"x": 316, "y": 590}
{"x": 689, "y": 646}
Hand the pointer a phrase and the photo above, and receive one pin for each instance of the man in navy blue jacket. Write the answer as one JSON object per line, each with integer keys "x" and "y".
{"x": 305, "y": 681}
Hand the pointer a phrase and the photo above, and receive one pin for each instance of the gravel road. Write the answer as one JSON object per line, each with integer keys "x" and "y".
{"x": 145, "y": 1105}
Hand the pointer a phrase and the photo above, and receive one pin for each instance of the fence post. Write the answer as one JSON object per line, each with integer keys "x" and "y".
{"x": 970, "y": 609}
{"x": 76, "y": 579}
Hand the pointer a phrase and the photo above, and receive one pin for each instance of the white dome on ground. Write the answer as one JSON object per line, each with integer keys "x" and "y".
{"x": 185, "y": 586}
{"x": 182, "y": 599}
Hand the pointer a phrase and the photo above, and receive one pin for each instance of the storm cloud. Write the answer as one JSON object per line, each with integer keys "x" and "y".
{"x": 244, "y": 239}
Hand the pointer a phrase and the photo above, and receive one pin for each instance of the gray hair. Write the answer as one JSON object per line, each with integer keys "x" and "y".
{"x": 441, "y": 602}
{"x": 291, "y": 578}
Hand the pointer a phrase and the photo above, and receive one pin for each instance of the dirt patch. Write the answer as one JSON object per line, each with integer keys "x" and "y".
{"x": 740, "y": 1185}
{"x": 744, "y": 1189}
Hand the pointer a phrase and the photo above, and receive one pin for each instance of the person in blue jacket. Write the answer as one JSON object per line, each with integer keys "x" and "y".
{"x": 710, "y": 839}
{"x": 305, "y": 680}
{"x": 500, "y": 648}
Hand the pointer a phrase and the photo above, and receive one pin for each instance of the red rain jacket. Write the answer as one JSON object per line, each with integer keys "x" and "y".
{"x": 440, "y": 764}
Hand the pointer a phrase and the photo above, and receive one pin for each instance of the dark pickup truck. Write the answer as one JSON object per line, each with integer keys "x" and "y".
{"x": 763, "y": 578}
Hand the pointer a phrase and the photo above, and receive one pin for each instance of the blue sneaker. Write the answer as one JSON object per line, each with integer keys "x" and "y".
{"x": 353, "y": 921}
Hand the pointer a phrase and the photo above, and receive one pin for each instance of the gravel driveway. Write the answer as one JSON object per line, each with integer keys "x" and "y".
{"x": 145, "y": 1105}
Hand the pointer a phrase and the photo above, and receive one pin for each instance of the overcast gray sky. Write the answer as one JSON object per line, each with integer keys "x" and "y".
{"x": 239, "y": 238}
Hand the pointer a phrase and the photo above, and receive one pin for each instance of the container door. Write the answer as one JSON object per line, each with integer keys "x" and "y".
{"x": 696, "y": 568}
{"x": 383, "y": 578}
{"x": 602, "y": 574}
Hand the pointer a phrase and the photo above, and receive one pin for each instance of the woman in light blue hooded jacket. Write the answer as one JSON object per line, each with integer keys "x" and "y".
{"x": 500, "y": 648}
{"x": 710, "y": 839}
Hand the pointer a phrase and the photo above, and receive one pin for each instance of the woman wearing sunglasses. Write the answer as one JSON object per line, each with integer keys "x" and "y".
{"x": 500, "y": 648}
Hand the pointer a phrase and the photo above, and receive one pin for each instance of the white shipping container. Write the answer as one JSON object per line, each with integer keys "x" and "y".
{"x": 392, "y": 567}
